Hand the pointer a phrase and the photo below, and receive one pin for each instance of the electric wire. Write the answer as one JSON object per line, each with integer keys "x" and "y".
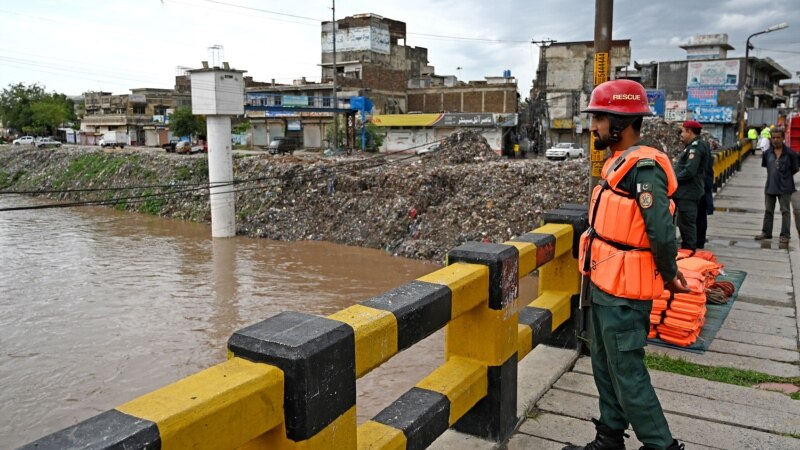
{"x": 327, "y": 173}
{"x": 203, "y": 184}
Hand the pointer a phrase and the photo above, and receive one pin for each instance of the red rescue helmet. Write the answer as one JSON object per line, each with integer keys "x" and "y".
{"x": 620, "y": 97}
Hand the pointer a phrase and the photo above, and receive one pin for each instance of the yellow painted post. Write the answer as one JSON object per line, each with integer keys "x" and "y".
{"x": 488, "y": 334}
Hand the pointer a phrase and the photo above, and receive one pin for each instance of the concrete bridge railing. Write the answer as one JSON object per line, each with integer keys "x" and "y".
{"x": 290, "y": 380}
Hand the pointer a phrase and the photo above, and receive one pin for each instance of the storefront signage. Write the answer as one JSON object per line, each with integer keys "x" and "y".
{"x": 467, "y": 120}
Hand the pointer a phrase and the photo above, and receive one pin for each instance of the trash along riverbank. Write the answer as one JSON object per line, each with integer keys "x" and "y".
{"x": 410, "y": 206}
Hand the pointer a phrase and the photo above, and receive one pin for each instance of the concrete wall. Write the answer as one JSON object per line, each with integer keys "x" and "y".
{"x": 672, "y": 79}
{"x": 477, "y": 97}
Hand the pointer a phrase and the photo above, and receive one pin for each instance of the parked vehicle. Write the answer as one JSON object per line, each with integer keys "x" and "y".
{"x": 199, "y": 148}
{"x": 24, "y": 140}
{"x": 283, "y": 144}
{"x": 564, "y": 150}
{"x": 114, "y": 139}
{"x": 47, "y": 142}
{"x": 183, "y": 147}
{"x": 170, "y": 146}
{"x": 428, "y": 149}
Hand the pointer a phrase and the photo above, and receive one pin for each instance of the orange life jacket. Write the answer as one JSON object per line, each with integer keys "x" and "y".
{"x": 615, "y": 250}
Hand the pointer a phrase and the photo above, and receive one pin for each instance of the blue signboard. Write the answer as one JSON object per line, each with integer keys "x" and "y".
{"x": 701, "y": 96}
{"x": 657, "y": 101}
{"x": 712, "y": 114}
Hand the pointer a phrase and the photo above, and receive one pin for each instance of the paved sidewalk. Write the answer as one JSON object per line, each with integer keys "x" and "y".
{"x": 760, "y": 333}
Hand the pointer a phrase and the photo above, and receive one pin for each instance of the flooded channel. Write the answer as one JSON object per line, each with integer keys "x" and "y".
{"x": 98, "y": 307}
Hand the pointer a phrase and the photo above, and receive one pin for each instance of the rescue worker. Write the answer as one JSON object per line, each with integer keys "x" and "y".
{"x": 690, "y": 169}
{"x": 628, "y": 253}
{"x": 766, "y": 132}
{"x": 752, "y": 136}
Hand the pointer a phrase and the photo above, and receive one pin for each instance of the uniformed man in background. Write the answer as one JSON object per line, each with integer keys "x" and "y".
{"x": 630, "y": 230}
{"x": 690, "y": 169}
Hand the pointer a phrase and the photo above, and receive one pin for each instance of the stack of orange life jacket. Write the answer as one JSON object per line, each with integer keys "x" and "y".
{"x": 679, "y": 318}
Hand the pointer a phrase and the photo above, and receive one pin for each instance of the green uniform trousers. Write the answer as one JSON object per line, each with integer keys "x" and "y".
{"x": 619, "y": 334}
{"x": 687, "y": 221}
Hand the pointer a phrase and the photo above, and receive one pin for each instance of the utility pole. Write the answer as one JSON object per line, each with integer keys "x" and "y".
{"x": 335, "y": 102}
{"x": 743, "y": 91}
{"x": 539, "y": 107}
{"x": 603, "y": 22}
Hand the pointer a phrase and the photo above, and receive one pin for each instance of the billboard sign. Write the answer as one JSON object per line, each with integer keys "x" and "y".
{"x": 656, "y": 99}
{"x": 721, "y": 74}
{"x": 675, "y": 110}
{"x": 712, "y": 114}
{"x": 357, "y": 39}
{"x": 701, "y": 96}
{"x": 467, "y": 120}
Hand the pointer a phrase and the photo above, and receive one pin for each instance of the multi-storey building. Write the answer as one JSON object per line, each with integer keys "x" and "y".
{"x": 708, "y": 86}
{"x": 142, "y": 115}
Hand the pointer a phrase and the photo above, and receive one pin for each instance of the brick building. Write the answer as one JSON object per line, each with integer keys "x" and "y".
{"x": 563, "y": 85}
{"x": 372, "y": 59}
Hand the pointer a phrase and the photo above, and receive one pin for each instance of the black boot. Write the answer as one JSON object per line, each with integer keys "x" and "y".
{"x": 675, "y": 446}
{"x": 606, "y": 439}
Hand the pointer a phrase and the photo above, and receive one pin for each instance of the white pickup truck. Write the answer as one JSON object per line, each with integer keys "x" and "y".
{"x": 114, "y": 139}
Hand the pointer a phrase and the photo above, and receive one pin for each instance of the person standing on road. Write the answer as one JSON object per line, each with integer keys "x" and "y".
{"x": 690, "y": 169}
{"x": 781, "y": 163}
{"x": 628, "y": 253}
{"x": 766, "y": 132}
{"x": 752, "y": 136}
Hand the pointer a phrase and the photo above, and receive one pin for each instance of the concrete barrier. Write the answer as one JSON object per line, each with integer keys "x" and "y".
{"x": 290, "y": 381}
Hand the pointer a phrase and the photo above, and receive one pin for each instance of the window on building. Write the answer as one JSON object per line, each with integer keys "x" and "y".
{"x": 160, "y": 110}
{"x": 277, "y": 100}
{"x": 139, "y": 109}
{"x": 326, "y": 101}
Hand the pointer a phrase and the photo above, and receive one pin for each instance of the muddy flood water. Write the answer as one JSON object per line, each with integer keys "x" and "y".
{"x": 98, "y": 307}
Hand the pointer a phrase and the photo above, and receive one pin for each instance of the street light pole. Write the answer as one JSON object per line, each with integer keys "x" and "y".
{"x": 743, "y": 91}
{"x": 335, "y": 101}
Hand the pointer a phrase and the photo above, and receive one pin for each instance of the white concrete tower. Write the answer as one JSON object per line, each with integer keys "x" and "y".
{"x": 219, "y": 94}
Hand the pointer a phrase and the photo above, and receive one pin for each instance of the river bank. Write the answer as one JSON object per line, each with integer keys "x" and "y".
{"x": 417, "y": 208}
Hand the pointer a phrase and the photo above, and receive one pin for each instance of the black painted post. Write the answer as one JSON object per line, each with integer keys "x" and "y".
{"x": 488, "y": 333}
{"x": 317, "y": 356}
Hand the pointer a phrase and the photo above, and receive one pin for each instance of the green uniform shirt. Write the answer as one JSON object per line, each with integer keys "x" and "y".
{"x": 752, "y": 134}
{"x": 766, "y": 133}
{"x": 691, "y": 170}
{"x": 649, "y": 179}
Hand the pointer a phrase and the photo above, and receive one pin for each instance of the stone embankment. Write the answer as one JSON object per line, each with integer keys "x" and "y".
{"x": 417, "y": 207}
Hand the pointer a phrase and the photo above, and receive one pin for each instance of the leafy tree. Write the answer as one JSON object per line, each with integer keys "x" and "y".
{"x": 48, "y": 114}
{"x": 30, "y": 109}
{"x": 375, "y": 137}
{"x": 241, "y": 127}
{"x": 15, "y": 105}
{"x": 183, "y": 123}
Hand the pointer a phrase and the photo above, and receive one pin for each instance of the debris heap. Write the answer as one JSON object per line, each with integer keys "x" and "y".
{"x": 666, "y": 136}
{"x": 419, "y": 207}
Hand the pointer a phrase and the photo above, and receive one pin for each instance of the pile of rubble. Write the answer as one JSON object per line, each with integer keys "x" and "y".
{"x": 465, "y": 146}
{"x": 420, "y": 209}
{"x": 666, "y": 136}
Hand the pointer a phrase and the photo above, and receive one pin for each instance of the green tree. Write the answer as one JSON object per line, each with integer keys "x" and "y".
{"x": 29, "y": 109}
{"x": 15, "y": 105}
{"x": 375, "y": 137}
{"x": 48, "y": 114}
{"x": 241, "y": 127}
{"x": 183, "y": 123}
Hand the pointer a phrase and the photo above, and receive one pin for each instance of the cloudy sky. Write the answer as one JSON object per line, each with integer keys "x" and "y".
{"x": 114, "y": 45}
